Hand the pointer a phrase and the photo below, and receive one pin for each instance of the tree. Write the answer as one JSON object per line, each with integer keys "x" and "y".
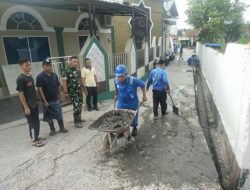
{"x": 217, "y": 20}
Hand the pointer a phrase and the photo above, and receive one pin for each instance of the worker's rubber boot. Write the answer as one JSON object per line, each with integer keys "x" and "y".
{"x": 61, "y": 125}
{"x": 52, "y": 129}
{"x": 134, "y": 132}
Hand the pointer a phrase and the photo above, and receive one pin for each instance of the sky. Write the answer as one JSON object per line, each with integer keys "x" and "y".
{"x": 181, "y": 7}
{"x": 247, "y": 12}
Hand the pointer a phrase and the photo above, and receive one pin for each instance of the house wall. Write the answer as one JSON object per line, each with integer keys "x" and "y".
{"x": 52, "y": 18}
{"x": 106, "y": 42}
{"x": 3, "y": 61}
{"x": 123, "y": 31}
{"x": 71, "y": 42}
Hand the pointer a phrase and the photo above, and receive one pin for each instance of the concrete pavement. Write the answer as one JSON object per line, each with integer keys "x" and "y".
{"x": 170, "y": 153}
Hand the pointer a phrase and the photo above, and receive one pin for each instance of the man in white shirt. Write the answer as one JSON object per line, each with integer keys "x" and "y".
{"x": 90, "y": 83}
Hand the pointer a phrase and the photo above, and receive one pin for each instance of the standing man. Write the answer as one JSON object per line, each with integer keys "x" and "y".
{"x": 89, "y": 81}
{"x": 27, "y": 95}
{"x": 48, "y": 86}
{"x": 72, "y": 87}
{"x": 155, "y": 63}
{"x": 154, "y": 66}
{"x": 181, "y": 53}
{"x": 126, "y": 93}
{"x": 158, "y": 78}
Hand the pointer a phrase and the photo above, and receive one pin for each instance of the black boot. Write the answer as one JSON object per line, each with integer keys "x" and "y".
{"x": 52, "y": 129}
{"x": 61, "y": 125}
{"x": 96, "y": 108}
{"x": 82, "y": 120}
{"x": 134, "y": 132}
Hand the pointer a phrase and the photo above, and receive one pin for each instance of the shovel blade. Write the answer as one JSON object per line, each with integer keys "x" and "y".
{"x": 175, "y": 110}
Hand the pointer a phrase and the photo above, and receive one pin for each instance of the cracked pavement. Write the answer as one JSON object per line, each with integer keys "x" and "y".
{"x": 170, "y": 153}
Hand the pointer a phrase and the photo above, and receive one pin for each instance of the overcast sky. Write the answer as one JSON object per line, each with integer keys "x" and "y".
{"x": 181, "y": 7}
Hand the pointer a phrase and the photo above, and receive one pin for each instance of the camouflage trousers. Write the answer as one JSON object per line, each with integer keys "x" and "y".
{"x": 77, "y": 101}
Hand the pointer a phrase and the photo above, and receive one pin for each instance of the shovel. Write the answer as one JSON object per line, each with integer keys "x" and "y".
{"x": 175, "y": 109}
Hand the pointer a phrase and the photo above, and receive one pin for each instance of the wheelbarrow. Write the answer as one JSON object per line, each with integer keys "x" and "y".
{"x": 115, "y": 124}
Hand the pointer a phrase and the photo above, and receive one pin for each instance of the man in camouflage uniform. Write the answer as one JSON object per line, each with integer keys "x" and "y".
{"x": 72, "y": 86}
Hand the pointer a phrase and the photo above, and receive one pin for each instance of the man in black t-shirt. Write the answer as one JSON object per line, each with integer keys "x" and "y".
{"x": 48, "y": 86}
{"x": 27, "y": 94}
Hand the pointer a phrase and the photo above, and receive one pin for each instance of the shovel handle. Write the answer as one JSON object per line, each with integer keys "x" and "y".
{"x": 140, "y": 104}
{"x": 171, "y": 99}
{"x": 115, "y": 104}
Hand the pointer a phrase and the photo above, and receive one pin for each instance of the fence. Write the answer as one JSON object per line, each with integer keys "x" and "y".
{"x": 117, "y": 59}
{"x": 114, "y": 60}
{"x": 228, "y": 78}
{"x": 140, "y": 58}
{"x": 151, "y": 54}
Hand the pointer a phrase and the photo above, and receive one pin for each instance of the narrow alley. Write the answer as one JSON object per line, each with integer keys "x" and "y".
{"x": 170, "y": 153}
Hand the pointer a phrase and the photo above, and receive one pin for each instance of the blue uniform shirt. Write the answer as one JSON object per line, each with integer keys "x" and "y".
{"x": 127, "y": 92}
{"x": 159, "y": 79}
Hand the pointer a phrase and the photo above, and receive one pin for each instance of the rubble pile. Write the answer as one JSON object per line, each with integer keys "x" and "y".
{"x": 114, "y": 119}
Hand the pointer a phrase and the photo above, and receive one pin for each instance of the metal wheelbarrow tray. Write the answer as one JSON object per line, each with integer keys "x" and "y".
{"x": 114, "y": 123}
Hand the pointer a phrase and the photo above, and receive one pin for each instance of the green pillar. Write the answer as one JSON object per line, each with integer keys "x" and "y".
{"x": 59, "y": 39}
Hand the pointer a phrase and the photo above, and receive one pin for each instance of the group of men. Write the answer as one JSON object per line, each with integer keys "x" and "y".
{"x": 75, "y": 83}
{"x": 126, "y": 90}
{"x": 48, "y": 85}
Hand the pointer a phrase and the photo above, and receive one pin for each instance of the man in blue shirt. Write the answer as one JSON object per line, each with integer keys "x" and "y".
{"x": 154, "y": 66}
{"x": 126, "y": 93}
{"x": 159, "y": 79}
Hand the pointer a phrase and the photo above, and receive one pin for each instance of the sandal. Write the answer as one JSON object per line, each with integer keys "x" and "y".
{"x": 41, "y": 138}
{"x": 33, "y": 141}
{"x": 37, "y": 144}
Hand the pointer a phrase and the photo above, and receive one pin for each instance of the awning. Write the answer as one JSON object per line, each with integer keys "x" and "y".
{"x": 101, "y": 7}
{"x": 170, "y": 21}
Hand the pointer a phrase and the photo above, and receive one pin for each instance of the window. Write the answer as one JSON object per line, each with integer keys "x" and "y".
{"x": 84, "y": 24}
{"x": 23, "y": 21}
{"x": 83, "y": 39}
{"x": 35, "y": 48}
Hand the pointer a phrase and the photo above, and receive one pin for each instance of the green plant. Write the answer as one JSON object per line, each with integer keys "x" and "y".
{"x": 217, "y": 20}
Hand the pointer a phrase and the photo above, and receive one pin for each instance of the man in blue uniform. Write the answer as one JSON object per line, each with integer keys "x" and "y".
{"x": 159, "y": 79}
{"x": 126, "y": 93}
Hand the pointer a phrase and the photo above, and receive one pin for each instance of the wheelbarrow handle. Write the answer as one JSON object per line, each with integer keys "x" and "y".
{"x": 140, "y": 104}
